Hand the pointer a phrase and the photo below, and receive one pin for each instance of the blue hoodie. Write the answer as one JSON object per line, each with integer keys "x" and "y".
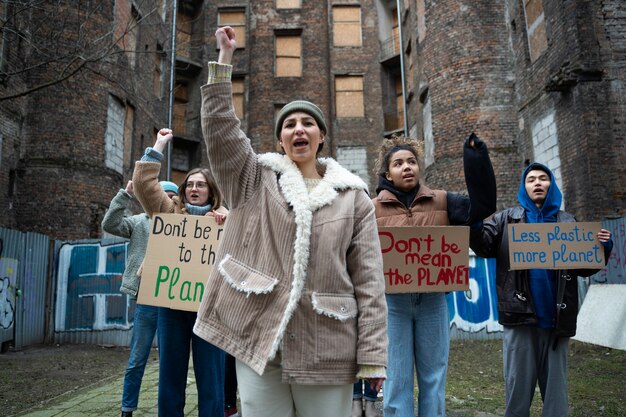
{"x": 542, "y": 281}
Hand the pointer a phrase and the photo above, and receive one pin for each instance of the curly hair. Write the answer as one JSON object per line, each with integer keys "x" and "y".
{"x": 394, "y": 144}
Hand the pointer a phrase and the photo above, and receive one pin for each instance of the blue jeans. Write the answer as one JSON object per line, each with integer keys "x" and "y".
{"x": 418, "y": 328}
{"x": 357, "y": 393}
{"x": 144, "y": 328}
{"x": 176, "y": 338}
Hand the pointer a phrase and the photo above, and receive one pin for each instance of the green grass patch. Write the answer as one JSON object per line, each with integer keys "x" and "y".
{"x": 475, "y": 387}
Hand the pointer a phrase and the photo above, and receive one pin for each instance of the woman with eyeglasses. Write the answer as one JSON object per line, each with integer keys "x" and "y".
{"x": 198, "y": 195}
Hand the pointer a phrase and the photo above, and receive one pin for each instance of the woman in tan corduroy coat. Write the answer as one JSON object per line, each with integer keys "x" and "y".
{"x": 297, "y": 296}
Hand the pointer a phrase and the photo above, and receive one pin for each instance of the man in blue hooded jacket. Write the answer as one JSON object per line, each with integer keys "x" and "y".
{"x": 536, "y": 307}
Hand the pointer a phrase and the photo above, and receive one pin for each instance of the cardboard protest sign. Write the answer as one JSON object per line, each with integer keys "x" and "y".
{"x": 181, "y": 252}
{"x": 555, "y": 246}
{"x": 425, "y": 259}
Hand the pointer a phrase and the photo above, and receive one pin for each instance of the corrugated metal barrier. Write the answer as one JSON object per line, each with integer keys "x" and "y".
{"x": 23, "y": 287}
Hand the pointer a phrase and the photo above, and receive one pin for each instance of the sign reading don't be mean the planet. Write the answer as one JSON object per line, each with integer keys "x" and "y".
{"x": 180, "y": 255}
{"x": 425, "y": 259}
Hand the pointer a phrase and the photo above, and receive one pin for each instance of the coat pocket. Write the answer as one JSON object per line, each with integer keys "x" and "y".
{"x": 245, "y": 279}
{"x": 335, "y": 327}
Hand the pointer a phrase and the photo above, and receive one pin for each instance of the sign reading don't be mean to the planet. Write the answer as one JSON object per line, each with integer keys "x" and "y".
{"x": 181, "y": 252}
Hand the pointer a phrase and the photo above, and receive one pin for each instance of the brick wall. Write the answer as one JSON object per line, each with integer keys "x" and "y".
{"x": 464, "y": 83}
{"x": 68, "y": 171}
{"x": 575, "y": 87}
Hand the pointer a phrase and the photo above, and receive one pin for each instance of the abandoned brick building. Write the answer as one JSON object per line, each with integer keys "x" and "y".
{"x": 83, "y": 89}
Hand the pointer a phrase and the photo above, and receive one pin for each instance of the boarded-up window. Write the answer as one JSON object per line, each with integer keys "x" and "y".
{"x": 237, "y": 20}
{"x": 288, "y": 4}
{"x": 288, "y": 56}
{"x": 421, "y": 20}
{"x": 535, "y": 28}
{"x": 399, "y": 102}
{"x": 184, "y": 29}
{"x": 238, "y": 97}
{"x": 349, "y": 96}
{"x": 129, "y": 122}
{"x": 125, "y": 32}
{"x": 114, "y": 135}
{"x": 179, "y": 116}
{"x": 157, "y": 76}
{"x": 396, "y": 32}
{"x": 346, "y": 26}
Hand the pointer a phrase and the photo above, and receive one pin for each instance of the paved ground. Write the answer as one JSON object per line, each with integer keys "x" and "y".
{"x": 103, "y": 400}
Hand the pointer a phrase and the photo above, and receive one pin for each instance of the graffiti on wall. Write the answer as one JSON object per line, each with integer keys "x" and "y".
{"x": 615, "y": 270}
{"x": 8, "y": 280}
{"x": 8, "y": 277}
{"x": 88, "y": 296}
{"x": 476, "y": 309}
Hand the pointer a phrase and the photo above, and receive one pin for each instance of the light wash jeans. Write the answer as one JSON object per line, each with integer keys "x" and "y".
{"x": 418, "y": 328}
{"x": 144, "y": 328}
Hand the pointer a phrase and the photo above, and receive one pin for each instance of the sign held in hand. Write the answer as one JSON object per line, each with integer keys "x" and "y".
{"x": 425, "y": 259}
{"x": 555, "y": 246}
{"x": 181, "y": 252}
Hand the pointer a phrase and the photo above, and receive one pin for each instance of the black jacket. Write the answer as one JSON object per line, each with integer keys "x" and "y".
{"x": 515, "y": 304}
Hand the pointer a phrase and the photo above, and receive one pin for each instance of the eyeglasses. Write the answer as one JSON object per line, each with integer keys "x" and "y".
{"x": 200, "y": 185}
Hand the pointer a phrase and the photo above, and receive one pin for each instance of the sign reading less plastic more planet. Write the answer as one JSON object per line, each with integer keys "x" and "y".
{"x": 180, "y": 255}
{"x": 555, "y": 246}
{"x": 425, "y": 259}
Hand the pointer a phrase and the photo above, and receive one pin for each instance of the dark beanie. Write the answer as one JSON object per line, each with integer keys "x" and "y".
{"x": 303, "y": 106}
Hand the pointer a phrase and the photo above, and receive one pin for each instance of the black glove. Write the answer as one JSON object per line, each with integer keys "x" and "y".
{"x": 479, "y": 178}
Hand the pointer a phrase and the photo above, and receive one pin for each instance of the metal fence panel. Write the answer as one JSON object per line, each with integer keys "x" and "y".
{"x": 23, "y": 270}
{"x": 89, "y": 307}
{"x": 615, "y": 270}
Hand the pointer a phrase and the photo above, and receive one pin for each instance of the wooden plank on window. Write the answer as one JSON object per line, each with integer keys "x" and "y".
{"x": 288, "y": 67}
{"x": 288, "y": 46}
{"x": 288, "y": 4}
{"x": 538, "y": 41}
{"x": 534, "y": 9}
{"x": 347, "y": 34}
{"x": 349, "y": 83}
{"x": 350, "y": 104}
{"x": 232, "y": 18}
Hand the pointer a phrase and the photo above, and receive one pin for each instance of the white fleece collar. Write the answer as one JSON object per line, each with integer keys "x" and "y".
{"x": 291, "y": 183}
{"x": 336, "y": 178}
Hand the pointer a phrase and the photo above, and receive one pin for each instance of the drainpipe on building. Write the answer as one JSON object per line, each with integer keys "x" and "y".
{"x": 170, "y": 110}
{"x": 406, "y": 119}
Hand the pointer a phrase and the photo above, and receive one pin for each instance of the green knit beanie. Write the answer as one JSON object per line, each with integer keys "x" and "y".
{"x": 303, "y": 106}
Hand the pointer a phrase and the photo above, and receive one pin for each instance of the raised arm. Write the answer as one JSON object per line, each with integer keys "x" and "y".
{"x": 115, "y": 220}
{"x": 231, "y": 157}
{"x": 227, "y": 43}
{"x": 146, "y": 177}
{"x": 479, "y": 179}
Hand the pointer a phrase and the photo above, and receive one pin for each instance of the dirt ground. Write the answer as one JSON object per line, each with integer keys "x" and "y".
{"x": 41, "y": 373}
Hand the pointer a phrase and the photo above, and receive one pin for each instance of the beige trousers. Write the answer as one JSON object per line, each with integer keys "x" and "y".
{"x": 266, "y": 396}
